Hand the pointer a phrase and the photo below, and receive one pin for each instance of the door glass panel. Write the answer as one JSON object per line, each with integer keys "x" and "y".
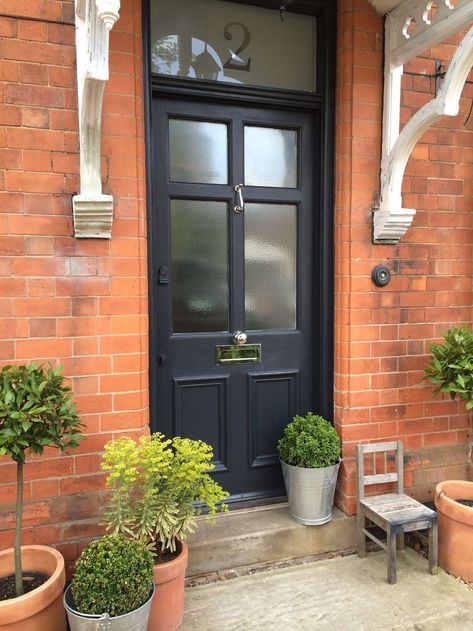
{"x": 198, "y": 151}
{"x": 199, "y": 265}
{"x": 270, "y": 157}
{"x": 234, "y": 43}
{"x": 270, "y": 266}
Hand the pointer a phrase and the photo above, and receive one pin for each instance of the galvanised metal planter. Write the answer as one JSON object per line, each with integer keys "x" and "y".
{"x": 136, "y": 620}
{"x": 310, "y": 493}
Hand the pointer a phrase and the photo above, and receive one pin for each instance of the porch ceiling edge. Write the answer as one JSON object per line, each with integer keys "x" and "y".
{"x": 411, "y": 28}
{"x": 93, "y": 211}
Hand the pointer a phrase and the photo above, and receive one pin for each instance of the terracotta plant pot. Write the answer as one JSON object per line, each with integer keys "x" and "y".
{"x": 42, "y": 608}
{"x": 167, "y": 609}
{"x": 455, "y": 527}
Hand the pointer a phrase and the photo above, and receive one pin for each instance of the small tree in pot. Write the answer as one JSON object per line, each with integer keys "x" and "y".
{"x": 451, "y": 368}
{"x": 36, "y": 411}
{"x": 309, "y": 451}
{"x": 451, "y": 372}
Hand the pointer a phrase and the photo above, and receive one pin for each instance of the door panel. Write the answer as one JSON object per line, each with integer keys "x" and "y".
{"x": 221, "y": 269}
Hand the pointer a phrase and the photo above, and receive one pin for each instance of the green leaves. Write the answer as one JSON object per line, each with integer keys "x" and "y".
{"x": 35, "y": 411}
{"x": 309, "y": 441}
{"x": 113, "y": 575}
{"x": 451, "y": 368}
{"x": 155, "y": 483}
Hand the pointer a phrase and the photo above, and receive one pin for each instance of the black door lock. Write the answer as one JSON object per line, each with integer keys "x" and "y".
{"x": 163, "y": 276}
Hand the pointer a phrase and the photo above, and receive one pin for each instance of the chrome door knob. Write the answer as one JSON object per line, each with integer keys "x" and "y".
{"x": 240, "y": 338}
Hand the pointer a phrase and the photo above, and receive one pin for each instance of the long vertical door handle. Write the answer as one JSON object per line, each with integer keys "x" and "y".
{"x": 240, "y": 207}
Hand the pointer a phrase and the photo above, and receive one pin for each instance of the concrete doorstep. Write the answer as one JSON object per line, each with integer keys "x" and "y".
{"x": 346, "y": 593}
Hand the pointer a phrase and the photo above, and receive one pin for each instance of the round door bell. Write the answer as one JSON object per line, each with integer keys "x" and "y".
{"x": 381, "y": 275}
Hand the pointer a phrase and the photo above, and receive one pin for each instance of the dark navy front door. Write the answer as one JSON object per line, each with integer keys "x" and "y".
{"x": 235, "y": 195}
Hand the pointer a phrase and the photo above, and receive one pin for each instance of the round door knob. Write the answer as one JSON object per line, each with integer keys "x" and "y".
{"x": 239, "y": 338}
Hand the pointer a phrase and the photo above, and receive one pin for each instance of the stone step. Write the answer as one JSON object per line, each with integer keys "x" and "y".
{"x": 264, "y": 535}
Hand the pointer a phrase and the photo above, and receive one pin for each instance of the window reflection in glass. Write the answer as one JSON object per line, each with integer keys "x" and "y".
{"x": 270, "y": 266}
{"x": 270, "y": 157}
{"x": 198, "y": 151}
{"x": 199, "y": 265}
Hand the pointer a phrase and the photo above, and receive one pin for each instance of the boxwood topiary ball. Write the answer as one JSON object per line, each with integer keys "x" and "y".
{"x": 311, "y": 442}
{"x": 113, "y": 575}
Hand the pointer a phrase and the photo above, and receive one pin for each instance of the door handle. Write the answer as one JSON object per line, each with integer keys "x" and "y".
{"x": 240, "y": 206}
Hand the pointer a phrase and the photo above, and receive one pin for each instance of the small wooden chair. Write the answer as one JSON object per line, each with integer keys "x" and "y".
{"x": 396, "y": 513}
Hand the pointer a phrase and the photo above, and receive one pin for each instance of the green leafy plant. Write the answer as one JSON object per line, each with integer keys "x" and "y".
{"x": 36, "y": 411}
{"x": 113, "y": 575}
{"x": 155, "y": 484}
{"x": 309, "y": 441}
{"x": 451, "y": 368}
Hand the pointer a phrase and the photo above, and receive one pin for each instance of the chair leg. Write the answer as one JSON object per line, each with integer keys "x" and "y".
{"x": 391, "y": 550}
{"x": 433, "y": 547}
{"x": 400, "y": 541}
{"x": 361, "y": 538}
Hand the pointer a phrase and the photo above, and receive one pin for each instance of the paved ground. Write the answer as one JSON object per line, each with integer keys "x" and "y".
{"x": 349, "y": 594}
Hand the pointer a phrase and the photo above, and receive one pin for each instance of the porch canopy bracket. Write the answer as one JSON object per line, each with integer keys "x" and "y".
{"x": 410, "y": 28}
{"x": 93, "y": 211}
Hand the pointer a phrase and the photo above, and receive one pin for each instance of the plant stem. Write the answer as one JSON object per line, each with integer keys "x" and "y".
{"x": 19, "y": 523}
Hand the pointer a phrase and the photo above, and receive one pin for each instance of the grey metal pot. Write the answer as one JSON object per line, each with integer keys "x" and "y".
{"x": 136, "y": 620}
{"x": 310, "y": 493}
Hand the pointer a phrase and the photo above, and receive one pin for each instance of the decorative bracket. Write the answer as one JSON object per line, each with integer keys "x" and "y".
{"x": 93, "y": 211}
{"x": 414, "y": 26}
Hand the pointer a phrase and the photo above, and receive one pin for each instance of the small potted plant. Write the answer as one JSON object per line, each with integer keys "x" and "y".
{"x": 113, "y": 582}
{"x": 156, "y": 484}
{"x": 309, "y": 451}
{"x": 451, "y": 372}
{"x": 36, "y": 411}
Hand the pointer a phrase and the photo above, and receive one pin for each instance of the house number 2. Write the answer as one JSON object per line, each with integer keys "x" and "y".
{"x": 235, "y": 62}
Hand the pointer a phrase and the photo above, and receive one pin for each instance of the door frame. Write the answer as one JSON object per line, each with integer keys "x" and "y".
{"x": 324, "y": 101}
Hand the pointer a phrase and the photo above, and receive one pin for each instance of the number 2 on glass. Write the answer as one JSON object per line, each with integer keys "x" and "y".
{"x": 235, "y": 62}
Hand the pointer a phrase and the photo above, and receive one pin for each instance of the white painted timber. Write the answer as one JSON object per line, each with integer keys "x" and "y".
{"x": 413, "y": 26}
{"x": 93, "y": 211}
{"x": 417, "y": 25}
{"x": 383, "y": 6}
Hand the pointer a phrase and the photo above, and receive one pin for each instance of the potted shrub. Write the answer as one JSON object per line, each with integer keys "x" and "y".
{"x": 158, "y": 486}
{"x": 309, "y": 451}
{"x": 36, "y": 411}
{"x": 451, "y": 372}
{"x": 113, "y": 581}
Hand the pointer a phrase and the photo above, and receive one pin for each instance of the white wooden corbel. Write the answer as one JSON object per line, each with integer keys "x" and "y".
{"x": 93, "y": 211}
{"x": 412, "y": 27}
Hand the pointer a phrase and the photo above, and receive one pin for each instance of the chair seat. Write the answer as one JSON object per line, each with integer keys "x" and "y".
{"x": 398, "y": 508}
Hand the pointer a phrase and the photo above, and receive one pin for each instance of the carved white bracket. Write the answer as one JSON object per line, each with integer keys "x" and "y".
{"x": 415, "y": 25}
{"x": 93, "y": 211}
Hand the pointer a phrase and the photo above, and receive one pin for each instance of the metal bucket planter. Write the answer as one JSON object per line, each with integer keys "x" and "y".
{"x": 310, "y": 493}
{"x": 136, "y": 620}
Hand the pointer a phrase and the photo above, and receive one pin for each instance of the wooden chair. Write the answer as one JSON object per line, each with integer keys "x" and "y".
{"x": 396, "y": 513}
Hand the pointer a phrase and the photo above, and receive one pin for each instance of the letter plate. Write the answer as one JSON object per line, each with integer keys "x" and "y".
{"x": 232, "y": 354}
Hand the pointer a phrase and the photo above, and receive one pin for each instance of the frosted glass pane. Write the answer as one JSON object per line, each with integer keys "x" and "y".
{"x": 270, "y": 157}
{"x": 234, "y": 43}
{"x": 199, "y": 265}
{"x": 270, "y": 266}
{"x": 198, "y": 151}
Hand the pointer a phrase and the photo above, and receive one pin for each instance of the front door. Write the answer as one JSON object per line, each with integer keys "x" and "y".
{"x": 234, "y": 191}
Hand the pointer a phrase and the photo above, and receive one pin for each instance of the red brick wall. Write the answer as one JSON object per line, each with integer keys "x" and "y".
{"x": 79, "y": 303}
{"x": 383, "y": 334}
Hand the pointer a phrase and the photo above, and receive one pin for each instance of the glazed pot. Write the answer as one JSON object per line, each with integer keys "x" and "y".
{"x": 41, "y": 608}
{"x": 167, "y": 608}
{"x": 310, "y": 493}
{"x": 455, "y": 527}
